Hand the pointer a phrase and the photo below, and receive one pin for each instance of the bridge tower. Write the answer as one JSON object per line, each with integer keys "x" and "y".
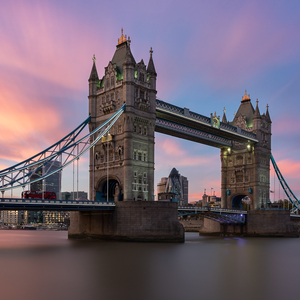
{"x": 122, "y": 163}
{"x": 245, "y": 169}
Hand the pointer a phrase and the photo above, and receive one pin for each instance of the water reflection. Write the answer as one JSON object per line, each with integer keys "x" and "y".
{"x": 46, "y": 265}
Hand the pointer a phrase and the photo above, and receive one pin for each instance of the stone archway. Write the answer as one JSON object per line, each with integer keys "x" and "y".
{"x": 112, "y": 186}
{"x": 237, "y": 201}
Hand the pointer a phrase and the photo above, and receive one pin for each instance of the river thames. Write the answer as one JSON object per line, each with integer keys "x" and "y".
{"x": 46, "y": 265}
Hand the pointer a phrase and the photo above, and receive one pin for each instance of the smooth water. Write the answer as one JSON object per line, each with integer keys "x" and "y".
{"x": 46, "y": 265}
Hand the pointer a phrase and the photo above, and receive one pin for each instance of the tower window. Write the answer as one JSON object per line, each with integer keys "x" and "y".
{"x": 140, "y": 156}
{"x": 112, "y": 81}
{"x": 142, "y": 77}
{"x": 142, "y": 94}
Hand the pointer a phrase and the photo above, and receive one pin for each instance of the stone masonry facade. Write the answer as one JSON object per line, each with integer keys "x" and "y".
{"x": 128, "y": 150}
{"x": 245, "y": 169}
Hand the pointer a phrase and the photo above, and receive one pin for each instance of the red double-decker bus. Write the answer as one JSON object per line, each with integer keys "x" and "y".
{"x": 38, "y": 195}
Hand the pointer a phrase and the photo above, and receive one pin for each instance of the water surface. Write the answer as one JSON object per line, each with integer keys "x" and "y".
{"x": 46, "y": 265}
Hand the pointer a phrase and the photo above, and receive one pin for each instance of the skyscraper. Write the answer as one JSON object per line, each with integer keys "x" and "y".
{"x": 51, "y": 183}
{"x": 175, "y": 184}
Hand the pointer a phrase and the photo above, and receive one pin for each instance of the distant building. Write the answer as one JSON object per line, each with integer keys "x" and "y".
{"x": 174, "y": 187}
{"x": 161, "y": 186}
{"x": 51, "y": 183}
{"x": 12, "y": 217}
{"x": 212, "y": 200}
{"x": 81, "y": 195}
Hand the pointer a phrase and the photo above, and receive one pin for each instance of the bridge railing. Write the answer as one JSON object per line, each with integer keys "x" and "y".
{"x": 55, "y": 201}
{"x": 213, "y": 209}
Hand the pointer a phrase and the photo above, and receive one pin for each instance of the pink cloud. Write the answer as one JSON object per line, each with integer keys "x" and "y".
{"x": 170, "y": 152}
{"x": 44, "y": 42}
{"x": 289, "y": 168}
{"x": 45, "y": 56}
{"x": 171, "y": 148}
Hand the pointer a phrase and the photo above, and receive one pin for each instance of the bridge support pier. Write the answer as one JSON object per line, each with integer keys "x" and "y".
{"x": 264, "y": 223}
{"x": 143, "y": 221}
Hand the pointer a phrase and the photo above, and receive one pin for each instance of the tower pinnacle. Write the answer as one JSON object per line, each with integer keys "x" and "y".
{"x": 123, "y": 38}
{"x": 246, "y": 97}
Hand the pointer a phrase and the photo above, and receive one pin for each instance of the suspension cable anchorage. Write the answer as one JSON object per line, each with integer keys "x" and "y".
{"x": 17, "y": 179}
{"x": 285, "y": 186}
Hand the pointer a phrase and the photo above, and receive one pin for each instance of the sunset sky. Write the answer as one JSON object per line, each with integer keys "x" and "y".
{"x": 206, "y": 53}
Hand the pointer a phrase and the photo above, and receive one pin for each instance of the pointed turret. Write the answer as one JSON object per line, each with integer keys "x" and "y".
{"x": 151, "y": 68}
{"x": 93, "y": 82}
{"x": 151, "y": 71}
{"x": 94, "y": 73}
{"x": 268, "y": 115}
{"x": 256, "y": 118}
{"x": 224, "y": 119}
{"x": 256, "y": 113}
{"x": 244, "y": 116}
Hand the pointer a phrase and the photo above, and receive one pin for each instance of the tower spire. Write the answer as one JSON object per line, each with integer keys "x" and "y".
{"x": 94, "y": 73}
{"x": 257, "y": 112}
{"x": 246, "y": 97}
{"x": 268, "y": 115}
{"x": 224, "y": 119}
{"x": 123, "y": 38}
{"x": 150, "y": 67}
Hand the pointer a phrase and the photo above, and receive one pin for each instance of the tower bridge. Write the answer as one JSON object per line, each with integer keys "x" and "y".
{"x": 124, "y": 113}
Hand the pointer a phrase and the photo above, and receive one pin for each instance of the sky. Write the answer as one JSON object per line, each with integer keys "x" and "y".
{"x": 206, "y": 53}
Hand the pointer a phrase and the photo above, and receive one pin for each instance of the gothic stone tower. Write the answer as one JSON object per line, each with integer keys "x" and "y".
{"x": 246, "y": 168}
{"x": 130, "y": 142}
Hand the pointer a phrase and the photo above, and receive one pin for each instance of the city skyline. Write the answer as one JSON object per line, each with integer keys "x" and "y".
{"x": 204, "y": 62}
